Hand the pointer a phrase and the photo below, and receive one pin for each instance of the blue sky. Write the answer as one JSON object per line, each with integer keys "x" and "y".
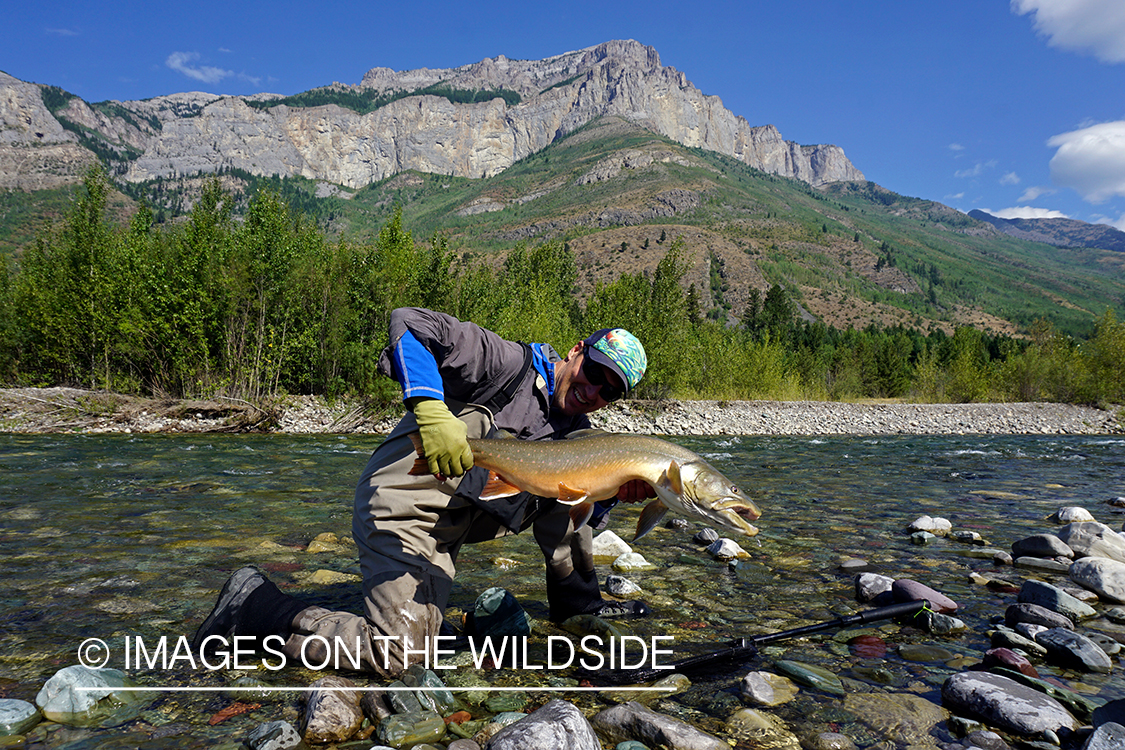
{"x": 1013, "y": 107}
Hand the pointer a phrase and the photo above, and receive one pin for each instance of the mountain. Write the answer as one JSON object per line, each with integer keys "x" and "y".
{"x": 603, "y": 149}
{"x": 427, "y": 120}
{"x": 1058, "y": 232}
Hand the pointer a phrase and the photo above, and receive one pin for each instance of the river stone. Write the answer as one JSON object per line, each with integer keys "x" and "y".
{"x": 831, "y": 741}
{"x": 870, "y": 585}
{"x": 1030, "y": 630}
{"x": 375, "y": 705}
{"x": 1074, "y": 650}
{"x": 706, "y": 536}
{"x": 275, "y": 735}
{"x": 936, "y": 526}
{"x": 1081, "y": 707}
{"x": 923, "y": 652}
{"x": 1008, "y": 638}
{"x": 1005, "y": 703}
{"x": 906, "y": 590}
{"x": 1113, "y": 711}
{"x": 1054, "y": 598}
{"x": 940, "y": 624}
{"x": 407, "y": 730}
{"x": 1041, "y": 545}
{"x": 1036, "y": 615}
{"x": 61, "y": 701}
{"x": 621, "y": 586}
{"x": 727, "y": 549}
{"x": 905, "y": 720}
{"x": 1109, "y": 736}
{"x": 1093, "y": 539}
{"x": 811, "y": 676}
{"x": 496, "y": 613}
{"x": 753, "y": 728}
{"x": 16, "y": 716}
{"x": 1042, "y": 564}
{"x": 331, "y": 715}
{"x": 631, "y": 561}
{"x": 767, "y": 689}
{"x": 1103, "y": 576}
{"x": 608, "y": 544}
{"x": 1009, "y": 659}
{"x": 557, "y": 724}
{"x": 632, "y": 721}
{"x": 459, "y": 744}
{"x": 922, "y": 537}
{"x": 1071, "y": 514}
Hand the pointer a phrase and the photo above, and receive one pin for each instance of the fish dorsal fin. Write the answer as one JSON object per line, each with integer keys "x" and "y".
{"x": 650, "y": 516}
{"x": 502, "y": 435}
{"x": 497, "y": 486}
{"x": 588, "y": 432}
{"x": 580, "y": 514}
{"x": 570, "y": 495}
{"x": 674, "y": 480}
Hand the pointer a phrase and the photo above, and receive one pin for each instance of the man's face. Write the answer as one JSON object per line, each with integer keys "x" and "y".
{"x": 574, "y": 393}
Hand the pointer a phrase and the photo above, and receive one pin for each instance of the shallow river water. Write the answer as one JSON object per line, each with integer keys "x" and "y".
{"x": 116, "y": 536}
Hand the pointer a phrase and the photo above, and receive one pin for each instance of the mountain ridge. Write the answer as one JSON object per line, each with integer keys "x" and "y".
{"x": 192, "y": 133}
{"x": 1060, "y": 232}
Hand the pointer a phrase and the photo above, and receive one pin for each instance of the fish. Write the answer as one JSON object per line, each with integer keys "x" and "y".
{"x": 591, "y": 465}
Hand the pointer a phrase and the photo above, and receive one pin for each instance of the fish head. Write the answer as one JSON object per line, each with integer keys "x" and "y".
{"x": 704, "y": 491}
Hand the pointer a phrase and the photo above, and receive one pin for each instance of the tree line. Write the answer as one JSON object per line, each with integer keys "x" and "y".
{"x": 269, "y": 305}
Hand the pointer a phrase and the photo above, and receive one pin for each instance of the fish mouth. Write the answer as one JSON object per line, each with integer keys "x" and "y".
{"x": 737, "y": 513}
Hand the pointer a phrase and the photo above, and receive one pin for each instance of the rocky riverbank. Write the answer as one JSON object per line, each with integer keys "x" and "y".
{"x": 39, "y": 410}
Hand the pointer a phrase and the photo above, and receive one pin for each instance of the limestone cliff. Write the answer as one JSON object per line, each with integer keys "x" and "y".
{"x": 194, "y": 133}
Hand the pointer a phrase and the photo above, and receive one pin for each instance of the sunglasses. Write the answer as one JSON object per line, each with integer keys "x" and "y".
{"x": 597, "y": 375}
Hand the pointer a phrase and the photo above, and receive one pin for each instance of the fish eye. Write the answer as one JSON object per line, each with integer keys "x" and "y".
{"x": 734, "y": 490}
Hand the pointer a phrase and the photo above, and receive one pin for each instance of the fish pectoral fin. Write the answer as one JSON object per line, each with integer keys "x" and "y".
{"x": 580, "y": 514}
{"x": 570, "y": 495}
{"x": 497, "y": 486}
{"x": 650, "y": 516}
{"x": 674, "y": 479}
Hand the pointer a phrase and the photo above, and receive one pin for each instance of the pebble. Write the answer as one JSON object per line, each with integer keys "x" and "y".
{"x": 273, "y": 735}
{"x": 727, "y": 549}
{"x": 61, "y": 700}
{"x": 621, "y": 586}
{"x": 1054, "y": 598}
{"x": 907, "y": 590}
{"x": 608, "y": 544}
{"x": 1093, "y": 539}
{"x": 767, "y": 689}
{"x": 1073, "y": 650}
{"x": 1041, "y": 545}
{"x": 631, "y": 561}
{"x": 706, "y": 536}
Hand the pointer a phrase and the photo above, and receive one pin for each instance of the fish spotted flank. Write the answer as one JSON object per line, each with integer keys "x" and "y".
{"x": 592, "y": 465}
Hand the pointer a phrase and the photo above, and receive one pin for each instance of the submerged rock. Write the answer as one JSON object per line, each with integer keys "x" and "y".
{"x": 1005, "y": 703}
{"x": 632, "y": 721}
{"x": 275, "y": 735}
{"x": 16, "y": 716}
{"x": 84, "y": 696}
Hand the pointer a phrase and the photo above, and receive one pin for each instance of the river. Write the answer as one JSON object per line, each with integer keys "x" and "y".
{"x": 116, "y": 536}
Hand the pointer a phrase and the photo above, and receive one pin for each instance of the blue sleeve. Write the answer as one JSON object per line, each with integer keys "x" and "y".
{"x": 416, "y": 369}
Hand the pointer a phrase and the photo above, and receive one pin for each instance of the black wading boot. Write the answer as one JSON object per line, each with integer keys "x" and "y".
{"x": 249, "y": 605}
{"x": 578, "y": 594}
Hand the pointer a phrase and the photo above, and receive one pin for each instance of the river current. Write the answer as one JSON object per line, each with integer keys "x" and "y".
{"x": 118, "y": 536}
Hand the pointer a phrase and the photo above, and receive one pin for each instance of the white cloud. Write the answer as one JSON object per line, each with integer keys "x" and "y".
{"x": 976, "y": 169}
{"x": 1026, "y": 212}
{"x": 62, "y": 32}
{"x": 956, "y": 147}
{"x": 1011, "y": 178}
{"x": 1091, "y": 160}
{"x": 178, "y": 61}
{"x": 1034, "y": 192}
{"x": 1096, "y": 26}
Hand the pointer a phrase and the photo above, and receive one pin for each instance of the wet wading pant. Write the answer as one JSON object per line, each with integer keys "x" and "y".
{"x": 408, "y": 531}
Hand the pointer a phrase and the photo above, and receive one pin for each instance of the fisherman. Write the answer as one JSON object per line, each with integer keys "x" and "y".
{"x": 459, "y": 381}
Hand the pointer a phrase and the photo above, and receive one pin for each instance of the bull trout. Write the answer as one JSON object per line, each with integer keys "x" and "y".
{"x": 592, "y": 465}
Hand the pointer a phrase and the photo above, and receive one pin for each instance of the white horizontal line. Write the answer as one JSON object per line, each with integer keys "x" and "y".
{"x": 275, "y": 689}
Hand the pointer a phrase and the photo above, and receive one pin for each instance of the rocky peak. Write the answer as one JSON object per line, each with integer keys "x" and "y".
{"x": 192, "y": 133}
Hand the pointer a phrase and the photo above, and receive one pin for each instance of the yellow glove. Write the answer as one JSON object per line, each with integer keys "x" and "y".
{"x": 444, "y": 438}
